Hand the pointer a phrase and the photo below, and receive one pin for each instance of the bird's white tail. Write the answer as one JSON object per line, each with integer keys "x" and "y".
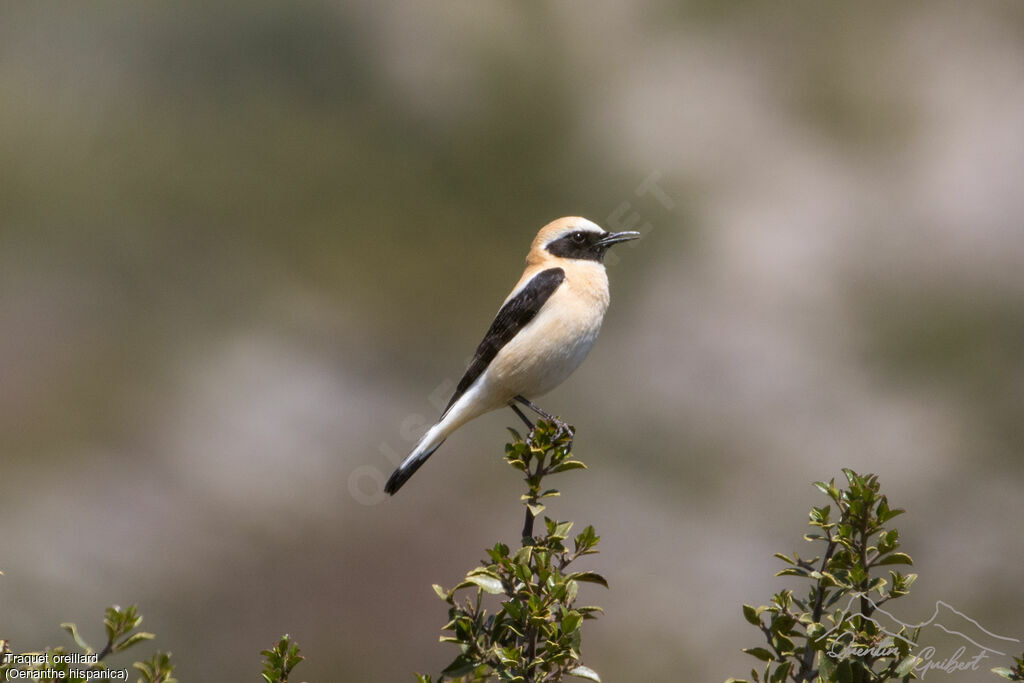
{"x": 430, "y": 442}
{"x": 467, "y": 407}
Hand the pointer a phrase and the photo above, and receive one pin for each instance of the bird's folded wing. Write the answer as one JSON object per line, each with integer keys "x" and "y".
{"x": 513, "y": 316}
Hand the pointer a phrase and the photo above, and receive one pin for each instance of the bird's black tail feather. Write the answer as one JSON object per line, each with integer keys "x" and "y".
{"x": 407, "y": 469}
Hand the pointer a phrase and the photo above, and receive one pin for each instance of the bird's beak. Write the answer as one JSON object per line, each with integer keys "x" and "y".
{"x": 616, "y": 237}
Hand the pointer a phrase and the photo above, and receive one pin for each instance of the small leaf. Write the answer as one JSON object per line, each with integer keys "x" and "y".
{"x": 906, "y": 666}
{"x": 487, "y": 583}
{"x": 568, "y": 465}
{"x": 73, "y": 630}
{"x": 752, "y": 615}
{"x": 460, "y": 666}
{"x": 793, "y": 571}
{"x": 843, "y": 672}
{"x": 482, "y": 571}
{"x": 760, "y": 652}
{"x": 561, "y": 530}
{"x": 896, "y": 558}
{"x": 571, "y": 622}
{"x": 780, "y": 673}
{"x": 134, "y": 639}
{"x": 827, "y": 668}
{"x": 815, "y": 631}
{"x": 589, "y": 577}
{"x": 585, "y": 672}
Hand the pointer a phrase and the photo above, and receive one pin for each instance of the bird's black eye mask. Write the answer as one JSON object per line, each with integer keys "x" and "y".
{"x": 579, "y": 244}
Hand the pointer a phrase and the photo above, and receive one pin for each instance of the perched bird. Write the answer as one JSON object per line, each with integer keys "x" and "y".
{"x": 542, "y": 332}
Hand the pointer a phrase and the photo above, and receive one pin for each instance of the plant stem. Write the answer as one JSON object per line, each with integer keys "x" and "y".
{"x": 806, "y": 673}
{"x": 528, "y": 526}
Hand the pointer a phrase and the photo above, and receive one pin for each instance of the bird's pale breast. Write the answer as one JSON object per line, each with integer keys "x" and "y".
{"x": 554, "y": 344}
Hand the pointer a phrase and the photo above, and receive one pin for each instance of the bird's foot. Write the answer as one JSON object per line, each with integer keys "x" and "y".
{"x": 563, "y": 429}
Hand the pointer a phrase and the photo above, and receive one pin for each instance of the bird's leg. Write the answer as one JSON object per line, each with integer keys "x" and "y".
{"x": 528, "y": 522}
{"x": 563, "y": 428}
{"x": 513, "y": 406}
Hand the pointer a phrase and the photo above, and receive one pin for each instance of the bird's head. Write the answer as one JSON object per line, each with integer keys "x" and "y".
{"x": 576, "y": 238}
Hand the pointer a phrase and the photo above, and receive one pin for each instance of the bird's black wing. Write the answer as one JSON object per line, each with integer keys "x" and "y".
{"x": 513, "y": 316}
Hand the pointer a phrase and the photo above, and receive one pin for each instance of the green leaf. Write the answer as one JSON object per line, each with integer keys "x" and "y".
{"x": 585, "y": 672}
{"x": 827, "y": 668}
{"x": 815, "y": 631}
{"x": 568, "y": 465}
{"x": 843, "y": 672}
{"x": 906, "y": 666}
{"x": 793, "y": 571}
{"x": 482, "y": 571}
{"x": 488, "y": 583}
{"x": 536, "y": 508}
{"x": 561, "y": 530}
{"x": 783, "y": 644}
{"x": 752, "y": 614}
{"x": 460, "y": 666}
{"x": 589, "y": 577}
{"x": 134, "y": 639}
{"x": 73, "y": 630}
{"x": 896, "y": 558}
{"x": 571, "y": 621}
{"x": 781, "y": 672}
{"x": 760, "y": 652}
{"x": 819, "y": 516}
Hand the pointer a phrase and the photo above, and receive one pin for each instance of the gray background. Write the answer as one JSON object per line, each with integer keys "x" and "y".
{"x": 242, "y": 245}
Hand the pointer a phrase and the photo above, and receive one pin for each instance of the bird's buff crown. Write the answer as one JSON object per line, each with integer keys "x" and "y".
{"x": 555, "y": 229}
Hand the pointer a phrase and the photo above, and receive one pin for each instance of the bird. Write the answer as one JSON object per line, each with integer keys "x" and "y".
{"x": 540, "y": 335}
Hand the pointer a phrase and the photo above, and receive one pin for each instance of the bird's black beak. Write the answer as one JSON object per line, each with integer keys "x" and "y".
{"x": 616, "y": 237}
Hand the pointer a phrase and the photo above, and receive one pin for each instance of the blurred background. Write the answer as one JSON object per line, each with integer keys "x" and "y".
{"x": 247, "y": 249}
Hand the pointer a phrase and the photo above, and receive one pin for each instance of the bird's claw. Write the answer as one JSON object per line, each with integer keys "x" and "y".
{"x": 563, "y": 429}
